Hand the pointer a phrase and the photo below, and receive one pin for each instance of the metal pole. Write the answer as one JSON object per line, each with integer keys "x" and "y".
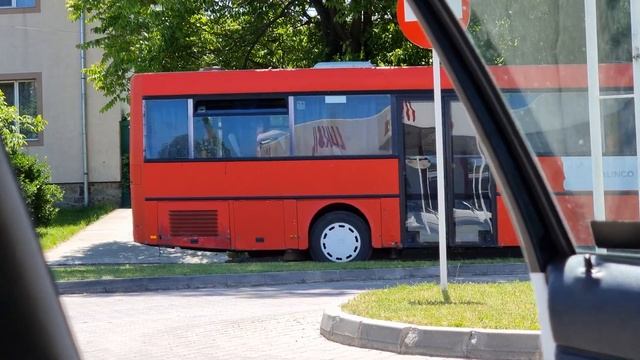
{"x": 635, "y": 52}
{"x": 83, "y": 113}
{"x": 595, "y": 121}
{"x": 442, "y": 223}
{"x": 424, "y": 208}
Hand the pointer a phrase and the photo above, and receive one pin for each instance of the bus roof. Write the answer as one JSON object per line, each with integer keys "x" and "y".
{"x": 364, "y": 79}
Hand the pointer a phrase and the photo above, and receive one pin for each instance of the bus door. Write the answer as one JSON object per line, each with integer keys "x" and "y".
{"x": 471, "y": 188}
{"x": 419, "y": 171}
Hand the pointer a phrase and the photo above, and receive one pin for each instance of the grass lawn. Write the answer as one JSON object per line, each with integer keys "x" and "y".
{"x": 67, "y": 223}
{"x": 507, "y": 305}
{"x": 67, "y": 273}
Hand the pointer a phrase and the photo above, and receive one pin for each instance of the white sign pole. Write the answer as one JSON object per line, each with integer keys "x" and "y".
{"x": 635, "y": 53}
{"x": 442, "y": 222}
{"x": 595, "y": 121}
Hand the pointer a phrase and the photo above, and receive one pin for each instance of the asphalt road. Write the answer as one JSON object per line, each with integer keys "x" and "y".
{"x": 278, "y": 322}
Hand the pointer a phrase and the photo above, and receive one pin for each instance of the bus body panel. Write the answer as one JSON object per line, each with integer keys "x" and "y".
{"x": 145, "y": 217}
{"x": 576, "y": 209}
{"x": 391, "y": 223}
{"x": 291, "y": 233}
{"x": 576, "y": 206}
{"x": 267, "y": 205}
{"x": 370, "y": 209}
{"x": 507, "y": 235}
{"x": 247, "y": 225}
{"x": 553, "y": 172}
{"x": 271, "y": 179}
{"x": 363, "y": 79}
{"x": 195, "y": 224}
{"x": 141, "y": 227}
{"x": 258, "y": 225}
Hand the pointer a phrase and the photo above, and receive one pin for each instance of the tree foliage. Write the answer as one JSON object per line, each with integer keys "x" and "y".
{"x": 13, "y": 126}
{"x": 40, "y": 196}
{"x": 517, "y": 32}
{"x": 176, "y": 35}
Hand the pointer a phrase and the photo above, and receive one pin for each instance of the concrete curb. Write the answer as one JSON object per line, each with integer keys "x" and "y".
{"x": 281, "y": 278}
{"x": 409, "y": 339}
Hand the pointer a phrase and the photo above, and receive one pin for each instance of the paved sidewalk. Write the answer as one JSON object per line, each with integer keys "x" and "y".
{"x": 110, "y": 241}
{"x": 272, "y": 322}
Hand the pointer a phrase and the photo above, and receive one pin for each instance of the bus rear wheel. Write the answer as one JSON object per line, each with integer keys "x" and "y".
{"x": 340, "y": 236}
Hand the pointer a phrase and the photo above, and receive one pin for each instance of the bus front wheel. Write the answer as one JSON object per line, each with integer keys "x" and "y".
{"x": 340, "y": 236}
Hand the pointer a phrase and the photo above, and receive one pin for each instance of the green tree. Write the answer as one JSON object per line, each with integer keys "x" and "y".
{"x": 33, "y": 175}
{"x": 517, "y": 32}
{"x": 177, "y": 35}
{"x": 14, "y": 126}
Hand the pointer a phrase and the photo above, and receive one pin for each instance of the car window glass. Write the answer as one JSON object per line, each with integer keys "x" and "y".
{"x": 537, "y": 52}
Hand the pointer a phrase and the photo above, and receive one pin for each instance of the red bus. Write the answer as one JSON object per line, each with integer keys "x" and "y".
{"x": 342, "y": 160}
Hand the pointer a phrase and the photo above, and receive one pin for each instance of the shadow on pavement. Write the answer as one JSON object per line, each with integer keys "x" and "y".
{"x": 119, "y": 252}
{"x": 329, "y": 290}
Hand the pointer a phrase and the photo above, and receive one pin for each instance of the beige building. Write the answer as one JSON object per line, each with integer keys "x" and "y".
{"x": 40, "y": 71}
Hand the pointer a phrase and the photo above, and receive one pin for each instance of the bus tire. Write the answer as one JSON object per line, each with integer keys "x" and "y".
{"x": 340, "y": 236}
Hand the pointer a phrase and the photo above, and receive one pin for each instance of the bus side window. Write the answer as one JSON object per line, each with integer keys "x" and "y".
{"x": 342, "y": 125}
{"x": 166, "y": 129}
{"x": 242, "y": 128}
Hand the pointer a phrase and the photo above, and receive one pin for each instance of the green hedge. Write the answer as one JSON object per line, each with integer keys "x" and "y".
{"x": 40, "y": 195}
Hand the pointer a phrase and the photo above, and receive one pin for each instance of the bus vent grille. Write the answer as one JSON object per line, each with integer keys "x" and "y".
{"x": 193, "y": 222}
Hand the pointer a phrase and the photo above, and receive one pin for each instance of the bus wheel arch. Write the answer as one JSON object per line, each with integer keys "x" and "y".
{"x": 340, "y": 233}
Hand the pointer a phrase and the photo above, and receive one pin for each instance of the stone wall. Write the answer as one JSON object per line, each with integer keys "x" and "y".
{"x": 99, "y": 193}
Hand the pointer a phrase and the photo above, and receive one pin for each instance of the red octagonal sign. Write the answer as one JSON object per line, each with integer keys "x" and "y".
{"x": 412, "y": 29}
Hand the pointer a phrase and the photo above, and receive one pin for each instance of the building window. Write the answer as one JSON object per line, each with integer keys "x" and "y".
{"x": 24, "y": 94}
{"x": 19, "y": 6}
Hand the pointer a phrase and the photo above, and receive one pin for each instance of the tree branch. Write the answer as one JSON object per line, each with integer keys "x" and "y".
{"x": 328, "y": 29}
{"x": 264, "y": 31}
{"x": 367, "y": 25}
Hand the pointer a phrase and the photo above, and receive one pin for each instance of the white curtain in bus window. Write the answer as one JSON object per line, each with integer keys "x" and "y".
{"x": 166, "y": 129}
{"x": 274, "y": 139}
{"x": 473, "y": 188}
{"x": 342, "y": 125}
